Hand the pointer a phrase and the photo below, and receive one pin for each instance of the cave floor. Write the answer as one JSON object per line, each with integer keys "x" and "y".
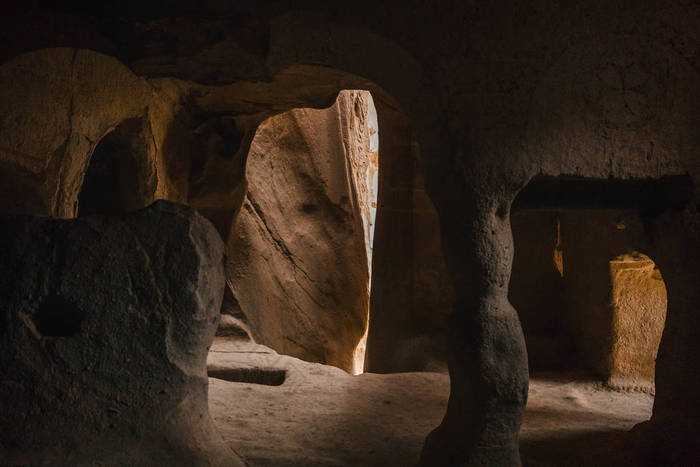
{"x": 321, "y": 415}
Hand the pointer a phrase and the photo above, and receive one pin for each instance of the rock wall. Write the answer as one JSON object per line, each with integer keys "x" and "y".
{"x": 355, "y": 110}
{"x": 297, "y": 261}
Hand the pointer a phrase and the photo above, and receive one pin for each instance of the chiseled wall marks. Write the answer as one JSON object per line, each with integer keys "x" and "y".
{"x": 639, "y": 314}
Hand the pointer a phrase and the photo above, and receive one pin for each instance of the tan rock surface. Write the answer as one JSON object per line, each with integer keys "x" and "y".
{"x": 321, "y": 416}
{"x": 639, "y": 303}
{"x": 56, "y": 108}
{"x": 297, "y": 261}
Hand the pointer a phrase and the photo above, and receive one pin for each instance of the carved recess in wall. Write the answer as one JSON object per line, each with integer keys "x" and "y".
{"x": 619, "y": 106}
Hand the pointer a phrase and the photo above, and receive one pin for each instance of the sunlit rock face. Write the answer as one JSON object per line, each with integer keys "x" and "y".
{"x": 639, "y": 302}
{"x": 298, "y": 257}
{"x": 106, "y": 324}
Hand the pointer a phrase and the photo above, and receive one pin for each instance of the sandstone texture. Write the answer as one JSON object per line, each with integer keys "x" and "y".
{"x": 59, "y": 106}
{"x": 321, "y": 416}
{"x": 106, "y": 324}
{"x": 639, "y": 301}
{"x": 298, "y": 259}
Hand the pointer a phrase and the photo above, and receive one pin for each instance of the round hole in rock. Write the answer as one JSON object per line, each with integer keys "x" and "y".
{"x": 58, "y": 317}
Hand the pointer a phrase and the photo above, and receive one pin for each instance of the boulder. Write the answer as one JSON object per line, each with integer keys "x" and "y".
{"x": 297, "y": 256}
{"x": 106, "y": 324}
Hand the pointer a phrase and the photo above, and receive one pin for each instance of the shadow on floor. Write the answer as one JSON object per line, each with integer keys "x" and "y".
{"x": 599, "y": 449}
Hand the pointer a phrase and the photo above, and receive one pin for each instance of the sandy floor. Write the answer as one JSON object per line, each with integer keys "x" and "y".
{"x": 320, "y": 415}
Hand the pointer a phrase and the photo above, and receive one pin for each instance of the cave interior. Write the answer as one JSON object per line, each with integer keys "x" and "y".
{"x": 308, "y": 233}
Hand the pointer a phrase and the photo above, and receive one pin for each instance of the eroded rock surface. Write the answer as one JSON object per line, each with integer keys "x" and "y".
{"x": 61, "y": 106}
{"x": 106, "y": 324}
{"x": 297, "y": 260}
{"x": 639, "y": 304}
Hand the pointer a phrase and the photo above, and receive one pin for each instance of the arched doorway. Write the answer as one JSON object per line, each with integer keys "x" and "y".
{"x": 300, "y": 249}
{"x": 120, "y": 176}
{"x": 593, "y": 310}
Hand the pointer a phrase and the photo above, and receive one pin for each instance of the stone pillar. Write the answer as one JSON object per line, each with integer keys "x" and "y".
{"x": 486, "y": 349}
